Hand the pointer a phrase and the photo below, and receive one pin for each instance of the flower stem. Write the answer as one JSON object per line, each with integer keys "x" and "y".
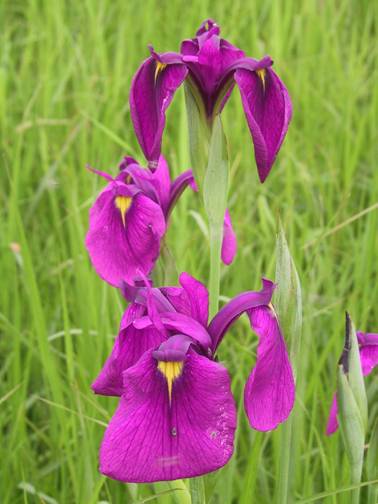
{"x": 214, "y": 282}
{"x": 285, "y": 462}
{"x": 197, "y": 490}
{"x": 356, "y": 472}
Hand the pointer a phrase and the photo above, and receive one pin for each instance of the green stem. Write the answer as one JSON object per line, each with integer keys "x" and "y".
{"x": 373, "y": 494}
{"x": 197, "y": 490}
{"x": 285, "y": 462}
{"x": 214, "y": 282}
{"x": 356, "y": 472}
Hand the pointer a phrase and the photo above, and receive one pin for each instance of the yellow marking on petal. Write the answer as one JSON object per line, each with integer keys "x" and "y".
{"x": 207, "y": 26}
{"x": 272, "y": 309}
{"x": 171, "y": 371}
{"x": 262, "y": 74}
{"x": 123, "y": 204}
{"x": 159, "y": 68}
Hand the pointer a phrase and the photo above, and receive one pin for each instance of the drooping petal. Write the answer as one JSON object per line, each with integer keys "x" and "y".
{"x": 152, "y": 90}
{"x": 270, "y": 390}
{"x": 229, "y": 243}
{"x": 151, "y": 438}
{"x": 268, "y": 110}
{"x": 129, "y": 346}
{"x": 234, "y": 308}
{"x": 122, "y": 243}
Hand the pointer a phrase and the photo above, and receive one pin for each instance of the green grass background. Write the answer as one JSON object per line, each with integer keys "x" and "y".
{"x": 65, "y": 72}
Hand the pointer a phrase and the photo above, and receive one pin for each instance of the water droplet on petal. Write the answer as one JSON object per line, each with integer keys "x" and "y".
{"x": 174, "y": 431}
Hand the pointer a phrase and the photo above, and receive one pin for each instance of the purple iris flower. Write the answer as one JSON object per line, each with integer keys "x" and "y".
{"x": 368, "y": 346}
{"x": 177, "y": 417}
{"x": 211, "y": 66}
{"x": 129, "y": 219}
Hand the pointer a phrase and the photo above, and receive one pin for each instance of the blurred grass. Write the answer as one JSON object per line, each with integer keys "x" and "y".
{"x": 65, "y": 71}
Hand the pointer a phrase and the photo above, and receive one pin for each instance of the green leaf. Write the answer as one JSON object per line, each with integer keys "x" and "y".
{"x": 372, "y": 454}
{"x": 215, "y": 200}
{"x": 199, "y": 132}
{"x": 216, "y": 177}
{"x": 197, "y": 490}
{"x": 372, "y": 465}
{"x": 288, "y": 296}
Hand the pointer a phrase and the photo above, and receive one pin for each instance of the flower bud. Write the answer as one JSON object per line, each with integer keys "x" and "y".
{"x": 352, "y": 402}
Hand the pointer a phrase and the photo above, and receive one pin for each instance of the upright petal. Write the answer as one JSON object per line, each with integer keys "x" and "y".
{"x": 178, "y": 186}
{"x": 192, "y": 299}
{"x": 268, "y": 110}
{"x": 229, "y": 243}
{"x": 129, "y": 346}
{"x": 234, "y": 308}
{"x": 270, "y": 391}
{"x": 120, "y": 244}
{"x": 181, "y": 323}
{"x": 151, "y": 438}
{"x": 151, "y": 93}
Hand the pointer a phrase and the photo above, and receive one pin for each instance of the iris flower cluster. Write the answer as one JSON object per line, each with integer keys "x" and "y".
{"x": 176, "y": 416}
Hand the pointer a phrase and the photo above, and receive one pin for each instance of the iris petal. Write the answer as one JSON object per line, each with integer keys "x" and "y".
{"x": 229, "y": 243}
{"x": 149, "y": 439}
{"x": 129, "y": 346}
{"x": 270, "y": 391}
{"x": 118, "y": 248}
{"x": 150, "y": 96}
{"x": 268, "y": 110}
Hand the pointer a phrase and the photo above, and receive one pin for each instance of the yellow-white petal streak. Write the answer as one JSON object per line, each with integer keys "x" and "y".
{"x": 123, "y": 204}
{"x": 159, "y": 68}
{"x": 262, "y": 73}
{"x": 171, "y": 371}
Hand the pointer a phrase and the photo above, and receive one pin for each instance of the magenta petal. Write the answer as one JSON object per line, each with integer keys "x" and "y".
{"x": 234, "y": 308}
{"x": 118, "y": 252}
{"x": 229, "y": 243}
{"x": 333, "y": 423}
{"x": 174, "y": 349}
{"x": 268, "y": 110}
{"x": 198, "y": 297}
{"x": 179, "y": 323}
{"x": 151, "y": 93}
{"x": 369, "y": 358}
{"x": 192, "y": 299}
{"x": 150, "y": 440}
{"x": 129, "y": 346}
{"x": 178, "y": 186}
{"x": 270, "y": 390}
